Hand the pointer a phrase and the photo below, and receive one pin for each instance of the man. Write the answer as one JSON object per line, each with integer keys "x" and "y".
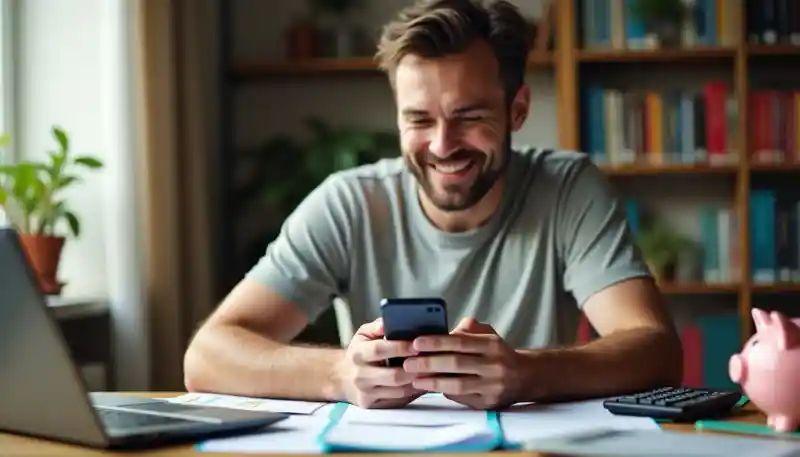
{"x": 516, "y": 242}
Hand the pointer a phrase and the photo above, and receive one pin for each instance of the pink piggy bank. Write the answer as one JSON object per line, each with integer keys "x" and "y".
{"x": 768, "y": 369}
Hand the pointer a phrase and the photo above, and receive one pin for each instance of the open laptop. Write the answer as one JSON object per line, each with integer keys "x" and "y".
{"x": 43, "y": 395}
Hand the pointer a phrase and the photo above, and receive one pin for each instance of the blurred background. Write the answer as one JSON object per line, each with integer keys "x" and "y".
{"x": 212, "y": 119}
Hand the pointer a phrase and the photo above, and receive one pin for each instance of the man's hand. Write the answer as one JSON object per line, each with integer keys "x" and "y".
{"x": 365, "y": 379}
{"x": 472, "y": 366}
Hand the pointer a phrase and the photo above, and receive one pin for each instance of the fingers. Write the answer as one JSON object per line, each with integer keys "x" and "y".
{"x": 380, "y": 350}
{"x": 370, "y": 377}
{"x": 446, "y": 363}
{"x": 463, "y": 343}
{"x": 456, "y": 386}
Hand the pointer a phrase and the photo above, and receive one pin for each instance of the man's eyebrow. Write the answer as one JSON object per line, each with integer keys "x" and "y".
{"x": 479, "y": 106}
{"x": 414, "y": 112}
{"x": 460, "y": 110}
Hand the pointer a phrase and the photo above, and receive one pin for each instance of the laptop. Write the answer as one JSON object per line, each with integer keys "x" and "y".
{"x": 43, "y": 395}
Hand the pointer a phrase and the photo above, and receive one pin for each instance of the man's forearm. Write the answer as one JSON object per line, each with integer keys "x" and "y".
{"x": 626, "y": 361}
{"x": 233, "y": 360}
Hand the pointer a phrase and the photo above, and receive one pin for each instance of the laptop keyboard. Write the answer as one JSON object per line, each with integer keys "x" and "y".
{"x": 124, "y": 419}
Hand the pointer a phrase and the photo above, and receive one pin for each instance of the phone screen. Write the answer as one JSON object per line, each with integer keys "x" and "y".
{"x": 408, "y": 318}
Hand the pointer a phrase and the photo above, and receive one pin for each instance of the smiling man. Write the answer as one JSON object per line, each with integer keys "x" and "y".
{"x": 518, "y": 242}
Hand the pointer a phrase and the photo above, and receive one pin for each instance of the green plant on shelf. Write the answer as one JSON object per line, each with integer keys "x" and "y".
{"x": 662, "y": 248}
{"x": 31, "y": 191}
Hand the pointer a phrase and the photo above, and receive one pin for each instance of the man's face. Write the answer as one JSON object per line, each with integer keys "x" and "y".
{"x": 454, "y": 125}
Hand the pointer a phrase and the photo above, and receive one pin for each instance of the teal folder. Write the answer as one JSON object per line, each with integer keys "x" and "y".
{"x": 485, "y": 443}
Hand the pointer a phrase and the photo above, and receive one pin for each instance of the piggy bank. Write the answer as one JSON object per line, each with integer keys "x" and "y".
{"x": 768, "y": 369}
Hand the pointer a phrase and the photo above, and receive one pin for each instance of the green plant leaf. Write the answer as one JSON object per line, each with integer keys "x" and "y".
{"x": 89, "y": 162}
{"x": 74, "y": 223}
{"x": 65, "y": 181}
{"x": 3, "y": 196}
{"x": 5, "y": 139}
{"x": 61, "y": 137}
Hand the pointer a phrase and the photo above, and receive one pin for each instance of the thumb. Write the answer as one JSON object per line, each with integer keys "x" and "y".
{"x": 471, "y": 325}
{"x": 369, "y": 331}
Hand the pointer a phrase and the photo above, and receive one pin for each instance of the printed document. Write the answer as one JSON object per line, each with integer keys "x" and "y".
{"x": 296, "y": 434}
{"x": 249, "y": 403}
{"x": 428, "y": 410}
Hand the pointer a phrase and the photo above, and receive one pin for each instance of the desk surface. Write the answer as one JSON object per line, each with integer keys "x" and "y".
{"x": 11, "y": 445}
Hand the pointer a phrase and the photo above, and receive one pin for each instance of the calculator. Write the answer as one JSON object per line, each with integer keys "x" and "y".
{"x": 678, "y": 404}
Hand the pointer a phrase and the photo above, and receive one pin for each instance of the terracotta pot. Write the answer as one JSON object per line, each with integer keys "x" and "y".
{"x": 44, "y": 253}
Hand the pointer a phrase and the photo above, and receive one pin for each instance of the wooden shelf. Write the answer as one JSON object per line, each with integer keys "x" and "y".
{"x": 656, "y": 55}
{"x": 323, "y": 65}
{"x": 776, "y": 288}
{"x": 667, "y": 169}
{"x": 698, "y": 288}
{"x": 777, "y": 50}
{"x": 786, "y": 167}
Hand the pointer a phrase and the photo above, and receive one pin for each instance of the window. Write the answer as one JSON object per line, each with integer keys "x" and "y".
{"x": 7, "y": 72}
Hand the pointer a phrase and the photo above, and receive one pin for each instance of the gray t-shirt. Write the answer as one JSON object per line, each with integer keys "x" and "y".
{"x": 560, "y": 236}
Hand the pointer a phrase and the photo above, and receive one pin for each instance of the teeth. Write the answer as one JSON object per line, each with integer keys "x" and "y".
{"x": 453, "y": 167}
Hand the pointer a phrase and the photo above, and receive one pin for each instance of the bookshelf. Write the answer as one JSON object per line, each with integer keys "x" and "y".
{"x": 743, "y": 53}
{"x": 740, "y": 56}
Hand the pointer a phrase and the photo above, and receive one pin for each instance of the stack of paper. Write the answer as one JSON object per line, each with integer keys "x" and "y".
{"x": 296, "y": 434}
{"x": 524, "y": 422}
{"x": 430, "y": 423}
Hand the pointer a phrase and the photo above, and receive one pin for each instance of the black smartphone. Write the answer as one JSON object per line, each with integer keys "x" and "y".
{"x": 405, "y": 319}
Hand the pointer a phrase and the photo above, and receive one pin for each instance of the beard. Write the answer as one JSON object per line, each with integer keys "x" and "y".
{"x": 459, "y": 196}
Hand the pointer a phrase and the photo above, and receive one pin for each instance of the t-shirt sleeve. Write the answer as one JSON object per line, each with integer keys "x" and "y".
{"x": 308, "y": 263}
{"x": 597, "y": 245}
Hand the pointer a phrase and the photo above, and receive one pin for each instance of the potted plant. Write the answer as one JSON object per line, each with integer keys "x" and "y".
{"x": 31, "y": 197}
{"x": 662, "y": 18}
{"x": 662, "y": 249}
{"x": 344, "y": 37}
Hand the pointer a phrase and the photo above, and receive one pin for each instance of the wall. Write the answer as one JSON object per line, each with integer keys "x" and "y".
{"x": 74, "y": 69}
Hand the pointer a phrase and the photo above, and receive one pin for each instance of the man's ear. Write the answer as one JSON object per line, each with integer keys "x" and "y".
{"x": 520, "y": 106}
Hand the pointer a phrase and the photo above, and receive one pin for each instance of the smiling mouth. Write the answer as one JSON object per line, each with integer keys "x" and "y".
{"x": 454, "y": 168}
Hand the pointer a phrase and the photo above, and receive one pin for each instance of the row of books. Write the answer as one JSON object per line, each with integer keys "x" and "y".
{"x": 774, "y": 237}
{"x": 717, "y": 246}
{"x": 772, "y": 22}
{"x": 774, "y": 226}
{"x": 676, "y": 126}
{"x": 774, "y": 116}
{"x": 612, "y": 24}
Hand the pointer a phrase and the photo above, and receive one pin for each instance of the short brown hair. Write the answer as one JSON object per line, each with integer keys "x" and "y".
{"x": 435, "y": 28}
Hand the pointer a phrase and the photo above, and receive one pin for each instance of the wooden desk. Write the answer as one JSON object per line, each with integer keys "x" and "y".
{"x": 13, "y": 446}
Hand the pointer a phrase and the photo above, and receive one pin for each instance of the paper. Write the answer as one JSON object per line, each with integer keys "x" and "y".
{"x": 295, "y": 434}
{"x": 428, "y": 410}
{"x": 409, "y": 438}
{"x": 529, "y": 421}
{"x": 249, "y": 403}
{"x": 635, "y": 443}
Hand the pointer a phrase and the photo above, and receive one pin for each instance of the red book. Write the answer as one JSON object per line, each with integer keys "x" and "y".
{"x": 759, "y": 115}
{"x": 716, "y": 94}
{"x": 788, "y": 143}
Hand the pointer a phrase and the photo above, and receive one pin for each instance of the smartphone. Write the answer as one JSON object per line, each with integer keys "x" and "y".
{"x": 405, "y": 319}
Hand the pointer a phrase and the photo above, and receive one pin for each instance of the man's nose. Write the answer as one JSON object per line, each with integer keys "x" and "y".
{"x": 444, "y": 141}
